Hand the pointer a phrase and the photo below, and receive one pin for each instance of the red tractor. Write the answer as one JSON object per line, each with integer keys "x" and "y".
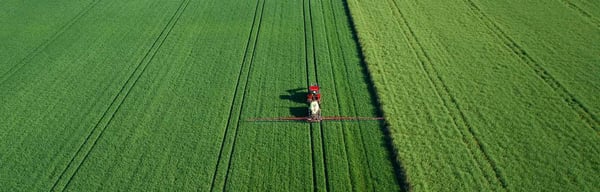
{"x": 313, "y": 94}
{"x": 314, "y": 100}
{"x": 314, "y": 111}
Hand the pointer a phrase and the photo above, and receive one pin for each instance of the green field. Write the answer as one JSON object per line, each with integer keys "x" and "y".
{"x": 158, "y": 95}
{"x": 488, "y": 95}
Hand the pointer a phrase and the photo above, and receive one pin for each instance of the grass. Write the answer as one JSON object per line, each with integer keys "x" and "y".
{"x": 476, "y": 102}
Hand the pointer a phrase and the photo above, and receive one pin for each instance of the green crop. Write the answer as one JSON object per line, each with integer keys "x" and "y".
{"x": 485, "y": 95}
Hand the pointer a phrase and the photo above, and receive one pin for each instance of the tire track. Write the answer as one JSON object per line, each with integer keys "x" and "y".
{"x": 315, "y": 73}
{"x": 583, "y": 112}
{"x": 311, "y": 127}
{"x": 96, "y": 133}
{"x": 242, "y": 102}
{"x": 248, "y": 54}
{"x": 582, "y": 12}
{"x": 15, "y": 68}
{"x": 448, "y": 100}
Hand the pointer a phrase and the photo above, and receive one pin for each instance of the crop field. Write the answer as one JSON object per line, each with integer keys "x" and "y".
{"x": 488, "y": 95}
{"x": 151, "y": 95}
{"x": 156, "y": 95}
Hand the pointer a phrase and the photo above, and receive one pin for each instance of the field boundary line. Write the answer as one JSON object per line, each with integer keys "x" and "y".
{"x": 582, "y": 12}
{"x": 399, "y": 170}
{"x": 247, "y": 54}
{"x": 577, "y": 106}
{"x": 116, "y": 103}
{"x": 239, "y": 120}
{"x": 338, "y": 35}
{"x": 37, "y": 50}
{"x": 450, "y": 102}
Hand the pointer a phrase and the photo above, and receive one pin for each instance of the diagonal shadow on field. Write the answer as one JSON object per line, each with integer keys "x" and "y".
{"x": 399, "y": 170}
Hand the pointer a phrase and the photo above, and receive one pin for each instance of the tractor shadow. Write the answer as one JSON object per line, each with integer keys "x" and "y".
{"x": 298, "y": 111}
{"x": 297, "y": 95}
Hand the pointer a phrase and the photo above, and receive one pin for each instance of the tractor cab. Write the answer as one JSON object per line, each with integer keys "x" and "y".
{"x": 313, "y": 94}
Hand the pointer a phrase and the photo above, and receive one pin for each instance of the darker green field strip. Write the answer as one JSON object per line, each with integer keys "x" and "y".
{"x": 578, "y": 107}
{"x": 24, "y": 42}
{"x": 221, "y": 174}
{"x": 82, "y": 153}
